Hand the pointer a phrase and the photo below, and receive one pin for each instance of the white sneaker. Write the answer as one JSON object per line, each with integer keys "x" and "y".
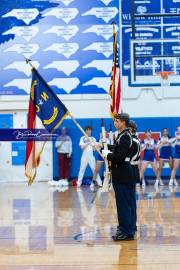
{"x": 137, "y": 184}
{"x": 53, "y": 183}
{"x": 143, "y": 183}
{"x": 161, "y": 182}
{"x": 100, "y": 183}
{"x": 59, "y": 183}
{"x": 78, "y": 184}
{"x": 92, "y": 185}
{"x": 176, "y": 183}
{"x": 156, "y": 183}
{"x": 171, "y": 182}
{"x": 65, "y": 183}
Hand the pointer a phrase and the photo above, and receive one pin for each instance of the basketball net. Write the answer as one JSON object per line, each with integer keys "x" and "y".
{"x": 165, "y": 83}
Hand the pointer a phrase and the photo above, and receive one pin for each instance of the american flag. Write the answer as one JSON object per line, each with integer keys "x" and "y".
{"x": 115, "y": 87}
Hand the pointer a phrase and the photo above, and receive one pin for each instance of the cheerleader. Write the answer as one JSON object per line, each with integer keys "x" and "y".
{"x": 164, "y": 143}
{"x": 147, "y": 146}
{"x": 176, "y": 144}
{"x": 99, "y": 163}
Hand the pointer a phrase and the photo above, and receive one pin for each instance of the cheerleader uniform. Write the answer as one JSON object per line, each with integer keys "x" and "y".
{"x": 99, "y": 158}
{"x": 166, "y": 151}
{"x": 148, "y": 149}
{"x": 177, "y": 149}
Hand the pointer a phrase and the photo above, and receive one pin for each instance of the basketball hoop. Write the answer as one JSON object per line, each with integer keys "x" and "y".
{"x": 164, "y": 78}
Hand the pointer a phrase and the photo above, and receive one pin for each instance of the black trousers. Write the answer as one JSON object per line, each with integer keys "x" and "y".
{"x": 124, "y": 196}
{"x": 137, "y": 174}
{"x": 133, "y": 204}
{"x": 133, "y": 198}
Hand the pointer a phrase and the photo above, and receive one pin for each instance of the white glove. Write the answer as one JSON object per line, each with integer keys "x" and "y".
{"x": 93, "y": 144}
{"x": 105, "y": 152}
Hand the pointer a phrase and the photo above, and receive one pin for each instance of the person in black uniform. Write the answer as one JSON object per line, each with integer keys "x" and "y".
{"x": 122, "y": 177}
{"x": 134, "y": 163}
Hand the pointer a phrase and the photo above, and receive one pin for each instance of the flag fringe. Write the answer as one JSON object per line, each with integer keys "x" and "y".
{"x": 112, "y": 114}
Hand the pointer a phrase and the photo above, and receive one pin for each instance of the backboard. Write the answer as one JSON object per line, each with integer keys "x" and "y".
{"x": 149, "y": 56}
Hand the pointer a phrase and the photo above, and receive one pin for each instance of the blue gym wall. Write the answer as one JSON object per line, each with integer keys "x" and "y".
{"x": 155, "y": 124}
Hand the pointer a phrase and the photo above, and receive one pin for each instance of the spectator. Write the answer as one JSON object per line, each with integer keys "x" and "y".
{"x": 64, "y": 149}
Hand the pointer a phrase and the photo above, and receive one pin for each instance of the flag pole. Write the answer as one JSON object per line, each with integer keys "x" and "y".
{"x": 113, "y": 23}
{"x": 85, "y": 134}
{"x": 105, "y": 187}
{"x": 28, "y": 61}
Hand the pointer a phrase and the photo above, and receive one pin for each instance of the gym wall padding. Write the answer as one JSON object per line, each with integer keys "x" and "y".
{"x": 155, "y": 124}
{"x": 48, "y": 168}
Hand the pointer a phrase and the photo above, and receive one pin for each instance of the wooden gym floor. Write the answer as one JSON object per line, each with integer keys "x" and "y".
{"x": 43, "y": 228}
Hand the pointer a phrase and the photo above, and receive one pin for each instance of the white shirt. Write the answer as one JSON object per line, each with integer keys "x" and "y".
{"x": 164, "y": 139}
{"x": 149, "y": 146}
{"x": 88, "y": 150}
{"x": 64, "y": 144}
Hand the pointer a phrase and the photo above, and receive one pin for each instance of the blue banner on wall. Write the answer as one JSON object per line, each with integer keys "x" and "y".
{"x": 141, "y": 7}
{"x": 173, "y": 7}
{"x": 69, "y": 42}
{"x": 173, "y": 48}
{"x": 143, "y": 65}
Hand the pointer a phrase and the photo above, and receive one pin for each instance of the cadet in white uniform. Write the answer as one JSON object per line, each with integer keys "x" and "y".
{"x": 87, "y": 156}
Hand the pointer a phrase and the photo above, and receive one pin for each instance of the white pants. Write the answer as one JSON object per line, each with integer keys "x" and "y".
{"x": 85, "y": 160}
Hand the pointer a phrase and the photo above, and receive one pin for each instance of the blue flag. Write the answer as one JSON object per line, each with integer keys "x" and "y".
{"x": 46, "y": 111}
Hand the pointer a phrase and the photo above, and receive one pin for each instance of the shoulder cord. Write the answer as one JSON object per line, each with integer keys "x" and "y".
{"x": 127, "y": 134}
{"x": 139, "y": 150}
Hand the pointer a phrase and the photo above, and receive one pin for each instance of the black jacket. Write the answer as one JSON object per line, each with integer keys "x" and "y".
{"x": 121, "y": 169}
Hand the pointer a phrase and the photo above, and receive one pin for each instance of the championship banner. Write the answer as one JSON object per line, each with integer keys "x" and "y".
{"x": 69, "y": 41}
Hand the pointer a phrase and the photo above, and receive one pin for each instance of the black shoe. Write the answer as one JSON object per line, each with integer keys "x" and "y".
{"x": 118, "y": 231}
{"x": 121, "y": 237}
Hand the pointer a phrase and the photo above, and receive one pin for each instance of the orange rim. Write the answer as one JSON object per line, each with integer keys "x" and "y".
{"x": 164, "y": 74}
